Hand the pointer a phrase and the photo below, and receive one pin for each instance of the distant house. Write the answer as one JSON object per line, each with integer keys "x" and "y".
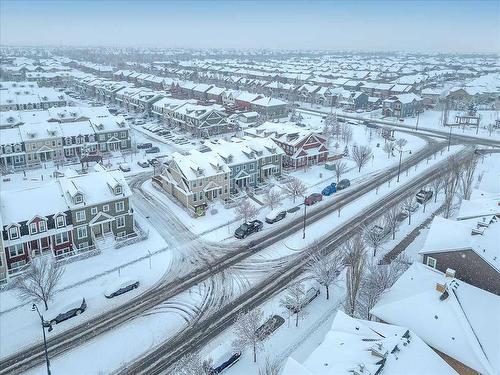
{"x": 403, "y": 105}
{"x": 269, "y": 107}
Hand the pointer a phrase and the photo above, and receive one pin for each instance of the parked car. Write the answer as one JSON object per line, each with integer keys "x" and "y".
{"x": 152, "y": 150}
{"x": 293, "y": 209}
{"x": 312, "y": 199}
{"x": 269, "y": 326}
{"x": 153, "y": 162}
{"x": 123, "y": 286}
{"x": 57, "y": 314}
{"x": 248, "y": 228}
{"x": 143, "y": 146}
{"x": 381, "y": 232}
{"x": 139, "y": 122}
{"x": 330, "y": 189}
{"x": 310, "y": 295}
{"x": 275, "y": 215}
{"x": 224, "y": 364}
{"x": 345, "y": 183}
{"x": 143, "y": 163}
{"x": 424, "y": 196}
{"x": 124, "y": 167}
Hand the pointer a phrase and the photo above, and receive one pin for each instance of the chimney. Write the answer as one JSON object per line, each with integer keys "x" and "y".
{"x": 450, "y": 273}
{"x": 441, "y": 288}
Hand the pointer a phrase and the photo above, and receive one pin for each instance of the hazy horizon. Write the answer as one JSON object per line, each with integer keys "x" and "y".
{"x": 411, "y": 26}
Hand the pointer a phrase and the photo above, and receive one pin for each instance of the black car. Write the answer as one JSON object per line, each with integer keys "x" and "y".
{"x": 248, "y": 228}
{"x": 152, "y": 150}
{"x": 275, "y": 215}
{"x": 123, "y": 287}
{"x": 226, "y": 364}
{"x": 424, "y": 196}
{"x": 70, "y": 310}
{"x": 144, "y": 146}
{"x": 345, "y": 183}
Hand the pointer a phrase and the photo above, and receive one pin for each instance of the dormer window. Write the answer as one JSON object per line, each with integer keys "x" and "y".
{"x": 42, "y": 226}
{"x": 13, "y": 232}
{"x": 118, "y": 190}
{"x": 33, "y": 228}
{"x": 60, "y": 221}
{"x": 78, "y": 198}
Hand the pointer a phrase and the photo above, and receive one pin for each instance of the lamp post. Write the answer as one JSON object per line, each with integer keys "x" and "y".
{"x": 400, "y": 157}
{"x": 449, "y": 138}
{"x": 34, "y": 307}
{"x": 304, "y": 228}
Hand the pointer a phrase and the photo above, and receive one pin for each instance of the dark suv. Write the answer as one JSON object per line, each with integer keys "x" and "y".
{"x": 313, "y": 198}
{"x": 345, "y": 183}
{"x": 248, "y": 228}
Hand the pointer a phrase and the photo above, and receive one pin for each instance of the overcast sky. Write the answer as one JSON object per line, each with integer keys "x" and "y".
{"x": 422, "y": 26}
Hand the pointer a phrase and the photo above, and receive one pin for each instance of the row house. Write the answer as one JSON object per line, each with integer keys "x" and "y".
{"x": 402, "y": 105}
{"x": 38, "y": 98}
{"x": 122, "y": 75}
{"x": 243, "y": 100}
{"x": 200, "y": 91}
{"x": 195, "y": 179}
{"x": 279, "y": 90}
{"x": 12, "y": 152}
{"x": 301, "y": 146}
{"x": 270, "y": 108}
{"x": 106, "y": 91}
{"x": 74, "y": 213}
{"x": 3, "y": 259}
{"x": 164, "y": 108}
{"x": 42, "y": 143}
{"x": 252, "y": 161}
{"x": 143, "y": 100}
{"x": 200, "y": 120}
{"x": 214, "y": 94}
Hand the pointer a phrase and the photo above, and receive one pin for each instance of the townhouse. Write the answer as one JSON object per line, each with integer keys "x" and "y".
{"x": 42, "y": 144}
{"x": 301, "y": 146}
{"x": 17, "y": 98}
{"x": 199, "y": 120}
{"x": 75, "y": 213}
{"x": 403, "y": 105}
{"x": 269, "y": 107}
{"x": 195, "y": 179}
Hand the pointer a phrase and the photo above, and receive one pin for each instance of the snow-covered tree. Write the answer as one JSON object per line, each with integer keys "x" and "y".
{"x": 436, "y": 186}
{"x": 401, "y": 142}
{"x": 374, "y": 237}
{"x": 391, "y": 218}
{"x": 339, "y": 168}
{"x": 354, "y": 252}
{"x": 295, "y": 188}
{"x": 467, "y": 176}
{"x": 246, "y": 210}
{"x": 451, "y": 184}
{"x": 408, "y": 204}
{"x": 490, "y": 127}
{"x": 272, "y": 198}
{"x": 388, "y": 148}
{"x": 39, "y": 280}
{"x": 324, "y": 268}
{"x": 192, "y": 364}
{"x": 270, "y": 367}
{"x": 246, "y": 331}
{"x": 293, "y": 300}
{"x": 346, "y": 134}
{"x": 361, "y": 155}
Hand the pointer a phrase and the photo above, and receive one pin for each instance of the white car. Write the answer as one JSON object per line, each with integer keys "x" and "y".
{"x": 124, "y": 167}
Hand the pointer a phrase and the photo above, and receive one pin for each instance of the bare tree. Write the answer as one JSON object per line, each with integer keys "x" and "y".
{"x": 452, "y": 182}
{"x": 339, "y": 168}
{"x": 346, "y": 134}
{"x": 39, "y": 280}
{"x": 361, "y": 155}
{"x": 374, "y": 235}
{"x": 490, "y": 127}
{"x": 391, "y": 219}
{"x": 246, "y": 330}
{"x": 295, "y": 188}
{"x": 325, "y": 269}
{"x": 467, "y": 176}
{"x": 354, "y": 259}
{"x": 270, "y": 367}
{"x": 192, "y": 364}
{"x": 401, "y": 142}
{"x": 246, "y": 210}
{"x": 436, "y": 186}
{"x": 388, "y": 148}
{"x": 272, "y": 198}
{"x": 378, "y": 278}
{"x": 408, "y": 205}
{"x": 294, "y": 299}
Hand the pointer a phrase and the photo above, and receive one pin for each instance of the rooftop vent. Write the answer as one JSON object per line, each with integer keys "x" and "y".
{"x": 441, "y": 288}
{"x": 450, "y": 273}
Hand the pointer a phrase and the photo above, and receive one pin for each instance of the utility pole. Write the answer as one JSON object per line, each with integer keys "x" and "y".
{"x": 34, "y": 307}
{"x": 416, "y": 125}
{"x": 304, "y": 229}
{"x": 399, "y": 166}
{"x": 449, "y": 139}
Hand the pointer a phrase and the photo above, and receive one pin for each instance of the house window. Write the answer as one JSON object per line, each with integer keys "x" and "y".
{"x": 81, "y": 232}
{"x": 105, "y": 208}
{"x": 93, "y": 210}
{"x": 16, "y": 250}
{"x": 80, "y": 216}
{"x": 431, "y": 262}
{"x": 119, "y": 206}
{"x": 60, "y": 221}
{"x": 118, "y": 190}
{"x": 13, "y": 233}
{"x": 120, "y": 222}
{"x": 33, "y": 229}
{"x": 78, "y": 198}
{"x": 42, "y": 226}
{"x": 61, "y": 238}
{"x": 194, "y": 197}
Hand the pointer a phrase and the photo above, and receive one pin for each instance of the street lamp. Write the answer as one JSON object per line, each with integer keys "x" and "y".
{"x": 34, "y": 307}
{"x": 400, "y": 157}
{"x": 304, "y": 228}
{"x": 449, "y": 138}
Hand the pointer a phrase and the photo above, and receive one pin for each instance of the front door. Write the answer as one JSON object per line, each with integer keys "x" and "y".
{"x": 106, "y": 227}
{"x": 97, "y": 230}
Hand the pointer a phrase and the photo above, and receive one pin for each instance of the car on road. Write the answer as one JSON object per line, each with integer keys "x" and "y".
{"x": 309, "y": 296}
{"x": 275, "y": 215}
{"x": 152, "y": 150}
{"x": 269, "y": 326}
{"x": 225, "y": 363}
{"x": 143, "y": 163}
{"x": 124, "y": 167}
{"x": 313, "y": 198}
{"x": 345, "y": 183}
{"x": 143, "y": 146}
{"x": 330, "y": 189}
{"x": 423, "y": 196}
{"x": 246, "y": 229}
{"x": 57, "y": 314}
{"x": 121, "y": 287}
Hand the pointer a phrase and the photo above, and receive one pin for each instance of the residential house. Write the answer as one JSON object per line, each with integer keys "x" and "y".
{"x": 269, "y": 107}
{"x": 402, "y": 105}
{"x": 200, "y": 120}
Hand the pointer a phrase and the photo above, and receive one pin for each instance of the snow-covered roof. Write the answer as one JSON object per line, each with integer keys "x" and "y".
{"x": 464, "y": 325}
{"x": 354, "y": 344}
{"x": 198, "y": 164}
